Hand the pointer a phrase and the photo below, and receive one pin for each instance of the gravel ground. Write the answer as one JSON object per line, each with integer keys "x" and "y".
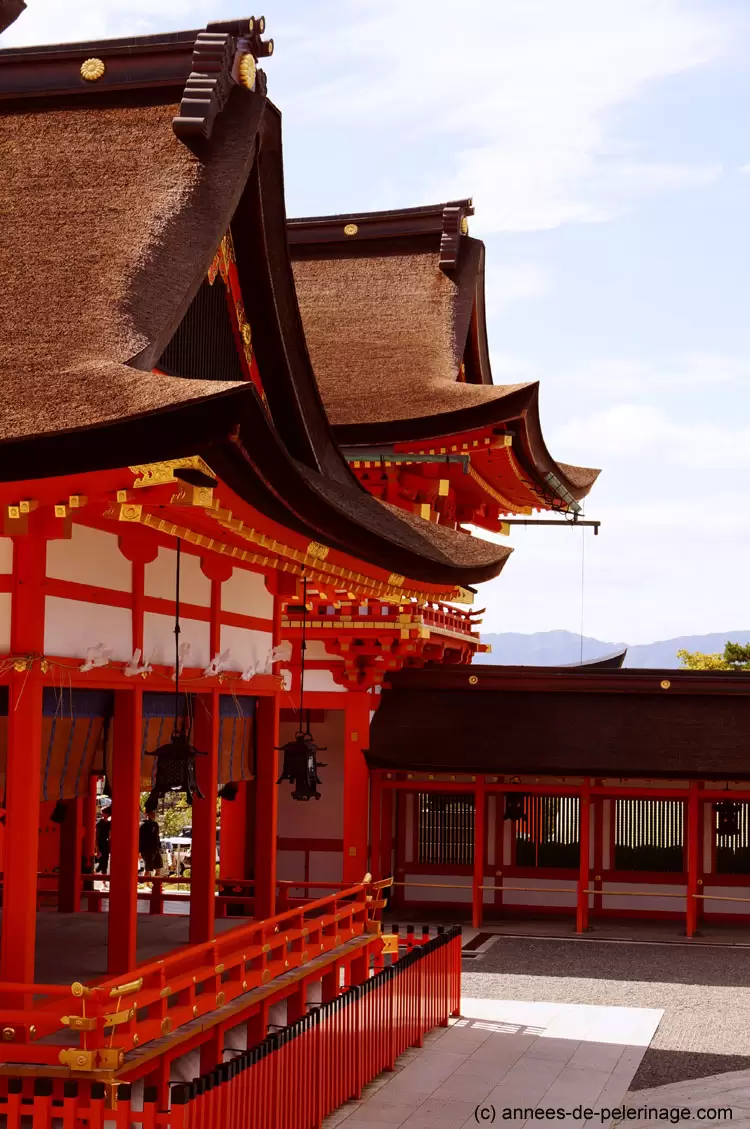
{"x": 704, "y": 991}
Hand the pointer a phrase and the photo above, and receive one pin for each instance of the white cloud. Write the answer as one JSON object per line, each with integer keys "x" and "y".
{"x": 522, "y": 98}
{"x": 634, "y": 376}
{"x": 633, "y": 431}
{"x": 513, "y": 282}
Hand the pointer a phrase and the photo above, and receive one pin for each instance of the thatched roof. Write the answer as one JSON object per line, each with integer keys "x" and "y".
{"x": 109, "y": 224}
{"x": 397, "y": 337}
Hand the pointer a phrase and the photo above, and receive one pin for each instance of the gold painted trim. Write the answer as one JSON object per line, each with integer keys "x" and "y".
{"x": 157, "y": 474}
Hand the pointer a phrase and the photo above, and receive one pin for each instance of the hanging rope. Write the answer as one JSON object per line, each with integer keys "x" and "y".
{"x": 583, "y": 582}
{"x": 177, "y": 640}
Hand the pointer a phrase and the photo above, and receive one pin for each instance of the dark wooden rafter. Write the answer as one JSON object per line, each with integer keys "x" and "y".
{"x": 200, "y": 67}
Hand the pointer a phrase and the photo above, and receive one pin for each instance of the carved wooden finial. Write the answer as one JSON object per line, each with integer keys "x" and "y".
{"x": 455, "y": 224}
{"x": 225, "y": 55}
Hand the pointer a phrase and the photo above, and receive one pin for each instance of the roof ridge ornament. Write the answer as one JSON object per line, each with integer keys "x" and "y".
{"x": 455, "y": 224}
{"x": 225, "y": 55}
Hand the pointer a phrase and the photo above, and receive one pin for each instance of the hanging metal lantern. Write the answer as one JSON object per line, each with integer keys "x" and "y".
{"x": 300, "y": 766}
{"x": 175, "y": 769}
{"x": 175, "y": 761}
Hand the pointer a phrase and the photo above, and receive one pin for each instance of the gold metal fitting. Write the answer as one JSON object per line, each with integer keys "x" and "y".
{"x": 166, "y": 1025}
{"x": 9, "y": 1034}
{"x": 220, "y": 998}
{"x": 350, "y": 229}
{"x": 266, "y": 975}
{"x": 92, "y": 69}
{"x": 248, "y": 71}
{"x": 665, "y": 684}
{"x": 244, "y": 985}
{"x": 473, "y": 680}
{"x": 195, "y": 1011}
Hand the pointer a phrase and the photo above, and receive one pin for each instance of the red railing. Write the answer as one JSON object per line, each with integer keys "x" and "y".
{"x": 291, "y": 1080}
{"x": 237, "y": 893}
{"x": 156, "y": 998}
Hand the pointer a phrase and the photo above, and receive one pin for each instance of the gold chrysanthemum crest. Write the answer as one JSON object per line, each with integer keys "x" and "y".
{"x": 92, "y": 69}
{"x": 247, "y": 71}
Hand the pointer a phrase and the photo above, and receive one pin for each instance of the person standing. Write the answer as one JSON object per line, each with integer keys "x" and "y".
{"x": 103, "y": 829}
{"x": 149, "y": 844}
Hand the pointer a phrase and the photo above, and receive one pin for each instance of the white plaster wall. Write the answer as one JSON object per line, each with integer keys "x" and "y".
{"x": 158, "y": 639}
{"x": 72, "y": 626}
{"x": 322, "y": 680}
{"x": 246, "y": 593}
{"x": 323, "y": 818}
{"x": 6, "y": 555}
{"x": 316, "y": 651}
{"x": 247, "y": 646}
{"x": 290, "y": 866}
{"x": 6, "y": 602}
{"x": 532, "y": 898}
{"x": 90, "y": 556}
{"x": 671, "y": 905}
{"x": 326, "y": 866}
{"x": 159, "y": 580}
{"x": 712, "y": 905}
{"x": 420, "y": 894}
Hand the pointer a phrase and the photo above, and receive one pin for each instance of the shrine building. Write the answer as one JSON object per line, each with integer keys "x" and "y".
{"x": 246, "y": 464}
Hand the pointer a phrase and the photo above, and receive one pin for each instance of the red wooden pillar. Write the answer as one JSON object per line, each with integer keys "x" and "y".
{"x": 356, "y": 786}
{"x": 122, "y": 938}
{"x": 24, "y": 764}
{"x": 233, "y": 860}
{"x": 584, "y": 835}
{"x": 203, "y": 850}
{"x": 266, "y": 808}
{"x": 71, "y": 837}
{"x": 692, "y": 907}
{"x": 480, "y": 836}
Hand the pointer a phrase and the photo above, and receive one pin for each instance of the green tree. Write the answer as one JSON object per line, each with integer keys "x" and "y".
{"x": 736, "y": 656}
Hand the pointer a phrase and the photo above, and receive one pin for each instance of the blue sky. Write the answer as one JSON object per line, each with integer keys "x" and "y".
{"x": 605, "y": 146}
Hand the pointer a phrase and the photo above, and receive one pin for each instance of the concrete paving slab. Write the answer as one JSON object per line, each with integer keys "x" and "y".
{"x": 509, "y": 1054}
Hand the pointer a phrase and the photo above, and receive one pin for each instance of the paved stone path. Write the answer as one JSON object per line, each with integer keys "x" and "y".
{"x": 704, "y": 991}
{"x": 508, "y": 1055}
{"x": 719, "y": 1099}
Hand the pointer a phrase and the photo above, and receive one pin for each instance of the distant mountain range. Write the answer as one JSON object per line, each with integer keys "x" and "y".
{"x": 559, "y": 648}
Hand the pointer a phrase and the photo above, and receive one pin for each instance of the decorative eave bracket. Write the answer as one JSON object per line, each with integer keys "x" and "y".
{"x": 455, "y": 224}
{"x": 225, "y": 55}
